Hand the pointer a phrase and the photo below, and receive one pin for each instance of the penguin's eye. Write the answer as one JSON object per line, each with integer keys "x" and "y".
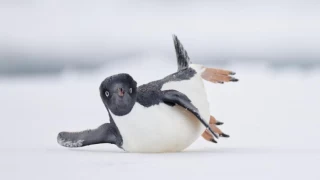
{"x": 130, "y": 90}
{"x": 107, "y": 93}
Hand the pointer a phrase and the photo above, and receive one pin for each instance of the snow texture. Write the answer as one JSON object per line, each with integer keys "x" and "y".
{"x": 272, "y": 118}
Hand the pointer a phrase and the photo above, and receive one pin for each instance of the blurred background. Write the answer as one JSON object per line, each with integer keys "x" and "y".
{"x": 55, "y": 53}
{"x": 49, "y": 36}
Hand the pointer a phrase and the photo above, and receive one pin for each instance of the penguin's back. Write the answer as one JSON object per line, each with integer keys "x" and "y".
{"x": 164, "y": 128}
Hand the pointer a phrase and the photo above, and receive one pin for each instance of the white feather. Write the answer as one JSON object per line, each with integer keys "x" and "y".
{"x": 162, "y": 128}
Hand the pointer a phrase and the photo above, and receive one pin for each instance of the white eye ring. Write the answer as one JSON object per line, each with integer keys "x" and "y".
{"x": 107, "y": 93}
{"x": 130, "y": 90}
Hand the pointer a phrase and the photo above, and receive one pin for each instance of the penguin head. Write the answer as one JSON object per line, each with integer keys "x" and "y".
{"x": 119, "y": 93}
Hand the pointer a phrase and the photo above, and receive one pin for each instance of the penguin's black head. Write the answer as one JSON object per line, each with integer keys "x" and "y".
{"x": 119, "y": 93}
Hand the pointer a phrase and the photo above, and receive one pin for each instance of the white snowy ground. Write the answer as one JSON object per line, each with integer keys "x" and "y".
{"x": 272, "y": 118}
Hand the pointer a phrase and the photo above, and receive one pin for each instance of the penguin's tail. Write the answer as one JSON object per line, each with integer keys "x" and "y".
{"x": 183, "y": 59}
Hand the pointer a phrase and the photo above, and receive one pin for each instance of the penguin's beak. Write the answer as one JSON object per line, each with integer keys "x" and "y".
{"x": 120, "y": 92}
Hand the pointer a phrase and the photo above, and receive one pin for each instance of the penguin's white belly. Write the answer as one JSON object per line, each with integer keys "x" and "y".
{"x": 163, "y": 128}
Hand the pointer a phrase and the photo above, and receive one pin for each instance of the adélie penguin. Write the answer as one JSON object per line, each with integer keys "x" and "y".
{"x": 165, "y": 115}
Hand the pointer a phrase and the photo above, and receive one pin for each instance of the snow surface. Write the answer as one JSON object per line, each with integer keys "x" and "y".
{"x": 272, "y": 118}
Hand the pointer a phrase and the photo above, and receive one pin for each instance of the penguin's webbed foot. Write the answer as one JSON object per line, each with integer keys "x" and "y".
{"x": 218, "y": 75}
{"x": 208, "y": 136}
{"x": 214, "y": 121}
{"x": 213, "y": 124}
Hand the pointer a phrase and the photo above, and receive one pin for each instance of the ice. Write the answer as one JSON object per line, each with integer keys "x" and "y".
{"x": 272, "y": 118}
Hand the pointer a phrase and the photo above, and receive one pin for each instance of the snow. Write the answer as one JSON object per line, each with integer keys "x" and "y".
{"x": 272, "y": 118}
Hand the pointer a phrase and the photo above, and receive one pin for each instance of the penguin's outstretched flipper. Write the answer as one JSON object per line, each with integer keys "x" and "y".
{"x": 103, "y": 134}
{"x": 173, "y": 97}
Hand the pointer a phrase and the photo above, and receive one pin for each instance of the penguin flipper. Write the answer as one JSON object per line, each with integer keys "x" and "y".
{"x": 103, "y": 134}
{"x": 173, "y": 97}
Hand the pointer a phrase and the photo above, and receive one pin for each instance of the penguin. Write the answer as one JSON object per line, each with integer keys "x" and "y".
{"x": 164, "y": 115}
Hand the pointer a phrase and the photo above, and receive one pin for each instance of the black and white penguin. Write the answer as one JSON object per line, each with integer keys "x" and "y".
{"x": 165, "y": 115}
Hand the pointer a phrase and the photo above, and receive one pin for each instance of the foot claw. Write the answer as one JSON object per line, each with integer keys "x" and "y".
{"x": 213, "y": 140}
{"x": 224, "y": 135}
{"x": 219, "y": 123}
{"x": 234, "y": 79}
